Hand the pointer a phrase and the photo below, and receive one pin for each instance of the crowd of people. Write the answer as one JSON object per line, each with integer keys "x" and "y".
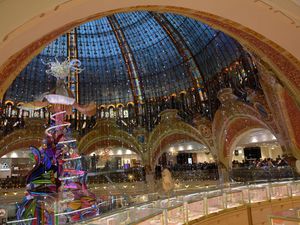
{"x": 8, "y": 124}
{"x": 202, "y": 168}
{"x": 195, "y": 166}
{"x": 12, "y": 182}
{"x": 261, "y": 163}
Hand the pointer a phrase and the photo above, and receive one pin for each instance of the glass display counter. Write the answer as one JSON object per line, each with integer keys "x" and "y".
{"x": 214, "y": 202}
{"x": 245, "y": 192}
{"x": 295, "y": 188}
{"x": 134, "y": 215}
{"x": 138, "y": 199}
{"x": 195, "y": 207}
{"x": 175, "y": 211}
{"x": 279, "y": 190}
{"x": 289, "y": 217}
{"x": 234, "y": 198}
{"x": 258, "y": 193}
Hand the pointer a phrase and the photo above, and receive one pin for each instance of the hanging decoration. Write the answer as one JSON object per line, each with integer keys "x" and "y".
{"x": 61, "y": 95}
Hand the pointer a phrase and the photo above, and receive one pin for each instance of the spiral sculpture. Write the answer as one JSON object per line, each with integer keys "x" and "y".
{"x": 56, "y": 186}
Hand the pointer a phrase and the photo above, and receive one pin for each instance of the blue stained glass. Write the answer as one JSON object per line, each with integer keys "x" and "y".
{"x": 33, "y": 80}
{"x": 160, "y": 65}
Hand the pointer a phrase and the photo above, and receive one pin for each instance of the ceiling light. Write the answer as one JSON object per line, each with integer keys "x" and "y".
{"x": 254, "y": 140}
{"x": 119, "y": 152}
{"x": 14, "y": 155}
{"x": 128, "y": 152}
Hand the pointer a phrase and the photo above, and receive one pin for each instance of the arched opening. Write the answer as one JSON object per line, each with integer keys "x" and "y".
{"x": 263, "y": 143}
{"x": 115, "y": 163}
{"x": 257, "y": 155}
{"x": 190, "y": 162}
{"x": 16, "y": 141}
{"x": 115, "y": 157}
{"x": 112, "y": 156}
{"x": 14, "y": 167}
{"x": 145, "y": 83}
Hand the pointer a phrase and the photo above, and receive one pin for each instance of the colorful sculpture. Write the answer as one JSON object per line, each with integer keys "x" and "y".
{"x": 56, "y": 187}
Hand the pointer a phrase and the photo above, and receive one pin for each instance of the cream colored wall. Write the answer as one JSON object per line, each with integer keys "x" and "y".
{"x": 124, "y": 159}
{"x": 202, "y": 157}
{"x": 127, "y": 159}
{"x": 266, "y": 152}
{"x": 240, "y": 157}
{"x": 16, "y": 16}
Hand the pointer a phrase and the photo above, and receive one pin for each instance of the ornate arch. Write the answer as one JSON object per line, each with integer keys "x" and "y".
{"x": 20, "y": 143}
{"x": 238, "y": 137}
{"x": 23, "y": 138}
{"x": 107, "y": 133}
{"x": 232, "y": 119}
{"x": 234, "y": 129}
{"x": 170, "y": 129}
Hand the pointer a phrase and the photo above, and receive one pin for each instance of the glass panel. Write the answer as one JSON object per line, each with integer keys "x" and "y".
{"x": 234, "y": 199}
{"x": 278, "y": 191}
{"x": 33, "y": 80}
{"x": 258, "y": 194}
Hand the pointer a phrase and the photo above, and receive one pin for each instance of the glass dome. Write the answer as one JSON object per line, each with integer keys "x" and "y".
{"x": 137, "y": 55}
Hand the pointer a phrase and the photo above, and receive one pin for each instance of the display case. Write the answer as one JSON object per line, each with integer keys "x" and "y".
{"x": 214, "y": 201}
{"x": 258, "y": 193}
{"x": 138, "y": 199}
{"x": 279, "y": 190}
{"x": 234, "y": 198}
{"x": 195, "y": 206}
{"x": 175, "y": 211}
{"x": 245, "y": 191}
{"x": 135, "y": 215}
{"x": 146, "y": 209}
{"x": 288, "y": 217}
{"x": 295, "y": 188}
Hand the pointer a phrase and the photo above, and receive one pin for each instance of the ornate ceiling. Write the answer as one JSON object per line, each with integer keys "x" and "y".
{"x": 139, "y": 55}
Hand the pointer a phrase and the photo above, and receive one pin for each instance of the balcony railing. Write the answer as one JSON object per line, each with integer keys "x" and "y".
{"x": 265, "y": 174}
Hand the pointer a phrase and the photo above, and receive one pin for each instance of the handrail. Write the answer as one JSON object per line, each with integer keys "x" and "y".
{"x": 244, "y": 194}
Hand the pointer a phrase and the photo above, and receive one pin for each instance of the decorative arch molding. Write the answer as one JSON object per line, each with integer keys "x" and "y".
{"x": 232, "y": 119}
{"x": 284, "y": 110}
{"x": 291, "y": 112}
{"x": 20, "y": 143}
{"x": 204, "y": 126}
{"x": 19, "y": 46}
{"x": 172, "y": 137}
{"x": 107, "y": 141}
{"x": 31, "y": 135}
{"x": 243, "y": 133}
{"x": 170, "y": 129}
{"x": 233, "y": 130}
{"x": 106, "y": 132}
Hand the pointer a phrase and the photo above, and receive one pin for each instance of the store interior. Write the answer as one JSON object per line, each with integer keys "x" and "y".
{"x": 155, "y": 114}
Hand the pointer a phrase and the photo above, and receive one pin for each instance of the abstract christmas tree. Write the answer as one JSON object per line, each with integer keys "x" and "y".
{"x": 56, "y": 187}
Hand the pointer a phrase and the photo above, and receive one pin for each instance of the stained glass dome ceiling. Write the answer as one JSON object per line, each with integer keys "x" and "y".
{"x": 139, "y": 53}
